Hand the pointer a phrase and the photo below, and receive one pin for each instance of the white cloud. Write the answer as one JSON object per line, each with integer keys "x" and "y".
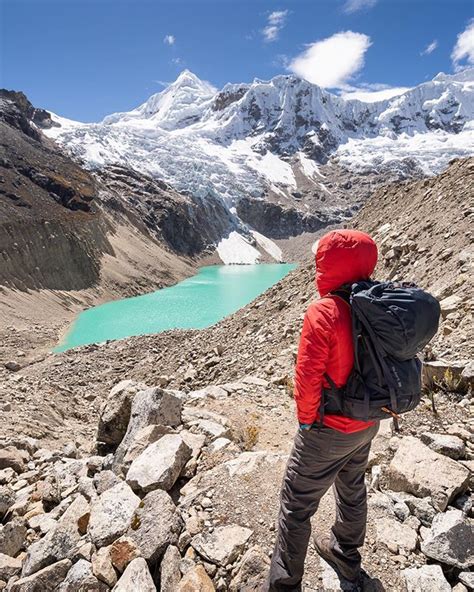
{"x": 354, "y": 5}
{"x": 275, "y": 23}
{"x": 430, "y": 47}
{"x": 333, "y": 61}
{"x": 464, "y": 48}
{"x": 169, "y": 39}
{"x": 367, "y": 95}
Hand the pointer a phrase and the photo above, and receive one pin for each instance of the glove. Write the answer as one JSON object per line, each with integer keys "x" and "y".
{"x": 305, "y": 426}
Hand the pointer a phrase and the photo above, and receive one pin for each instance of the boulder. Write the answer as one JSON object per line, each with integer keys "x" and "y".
{"x": 105, "y": 480}
{"x": 438, "y": 371}
{"x": 111, "y": 514}
{"x": 12, "y": 537}
{"x": 427, "y": 578}
{"x": 451, "y": 540}
{"x": 142, "y": 440}
{"x": 102, "y": 567}
{"x": 252, "y": 570}
{"x": 81, "y": 578}
{"x": 60, "y": 541}
{"x": 115, "y": 412}
{"x": 450, "y": 304}
{"x": 196, "y": 580}
{"x": 467, "y": 578}
{"x": 47, "y": 578}
{"x": 395, "y": 535}
{"x": 9, "y": 566}
{"x": 417, "y": 469}
{"x": 153, "y": 406}
{"x": 156, "y": 524}
{"x": 11, "y": 458}
{"x": 223, "y": 545}
{"x": 159, "y": 465}
{"x": 169, "y": 570}
{"x": 451, "y": 446}
{"x": 136, "y": 577}
{"x": 122, "y": 552}
{"x": 380, "y": 447}
{"x": 7, "y": 499}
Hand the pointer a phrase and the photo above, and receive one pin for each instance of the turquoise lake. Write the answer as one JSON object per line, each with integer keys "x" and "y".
{"x": 200, "y": 301}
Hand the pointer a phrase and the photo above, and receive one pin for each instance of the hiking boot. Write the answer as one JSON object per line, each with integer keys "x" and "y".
{"x": 324, "y": 549}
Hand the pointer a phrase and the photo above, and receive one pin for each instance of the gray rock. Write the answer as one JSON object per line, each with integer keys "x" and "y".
{"x": 115, "y": 412}
{"x": 451, "y": 540}
{"x": 111, "y": 514}
{"x": 156, "y": 524}
{"x": 169, "y": 570}
{"x": 12, "y": 365}
{"x": 159, "y": 465}
{"x": 417, "y": 469}
{"x": 12, "y": 537}
{"x": 47, "y": 578}
{"x": 396, "y": 536}
{"x": 142, "y": 440}
{"x": 9, "y": 567}
{"x": 223, "y": 545}
{"x": 451, "y": 446}
{"x": 467, "y": 578}
{"x": 153, "y": 406}
{"x": 7, "y": 499}
{"x": 427, "y": 578}
{"x": 421, "y": 508}
{"x": 80, "y": 578}
{"x": 252, "y": 570}
{"x": 136, "y": 577}
{"x": 60, "y": 541}
{"x": 105, "y": 480}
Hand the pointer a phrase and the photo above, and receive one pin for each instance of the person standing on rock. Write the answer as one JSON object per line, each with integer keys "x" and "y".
{"x": 334, "y": 451}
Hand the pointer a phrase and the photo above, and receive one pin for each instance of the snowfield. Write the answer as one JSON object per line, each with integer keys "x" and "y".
{"x": 249, "y": 139}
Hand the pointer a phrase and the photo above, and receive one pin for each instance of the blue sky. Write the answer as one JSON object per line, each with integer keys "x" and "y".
{"x": 85, "y": 59}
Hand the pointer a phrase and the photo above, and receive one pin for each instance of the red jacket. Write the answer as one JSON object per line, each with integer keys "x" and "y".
{"x": 343, "y": 256}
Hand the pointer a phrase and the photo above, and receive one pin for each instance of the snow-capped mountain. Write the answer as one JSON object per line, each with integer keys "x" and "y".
{"x": 285, "y": 140}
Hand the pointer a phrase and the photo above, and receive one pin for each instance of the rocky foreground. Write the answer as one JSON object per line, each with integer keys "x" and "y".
{"x": 154, "y": 463}
{"x": 179, "y": 497}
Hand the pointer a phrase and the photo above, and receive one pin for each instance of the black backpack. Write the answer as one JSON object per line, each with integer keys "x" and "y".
{"x": 391, "y": 324}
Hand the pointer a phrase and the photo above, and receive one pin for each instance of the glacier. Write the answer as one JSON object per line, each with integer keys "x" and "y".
{"x": 248, "y": 138}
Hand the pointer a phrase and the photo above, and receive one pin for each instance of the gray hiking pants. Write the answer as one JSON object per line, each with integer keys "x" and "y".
{"x": 321, "y": 457}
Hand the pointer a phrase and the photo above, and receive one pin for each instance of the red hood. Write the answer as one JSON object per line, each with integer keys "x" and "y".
{"x": 342, "y": 257}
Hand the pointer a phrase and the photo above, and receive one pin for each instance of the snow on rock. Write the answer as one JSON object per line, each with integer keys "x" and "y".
{"x": 268, "y": 245}
{"x": 236, "y": 249}
{"x": 237, "y": 142}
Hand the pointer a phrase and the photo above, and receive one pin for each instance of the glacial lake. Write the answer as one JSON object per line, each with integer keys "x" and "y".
{"x": 195, "y": 303}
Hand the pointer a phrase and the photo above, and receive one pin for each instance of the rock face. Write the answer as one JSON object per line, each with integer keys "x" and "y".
{"x": 417, "y": 469}
{"x": 159, "y": 465}
{"x": 136, "y": 577}
{"x": 428, "y": 578}
{"x": 155, "y": 525}
{"x": 223, "y": 544}
{"x": 115, "y": 413}
{"x": 153, "y": 406}
{"x": 451, "y": 540}
{"x": 111, "y": 514}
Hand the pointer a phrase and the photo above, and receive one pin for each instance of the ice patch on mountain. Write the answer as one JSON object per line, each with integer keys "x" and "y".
{"x": 268, "y": 245}
{"x": 236, "y": 249}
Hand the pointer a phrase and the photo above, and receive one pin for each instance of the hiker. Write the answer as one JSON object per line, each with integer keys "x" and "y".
{"x": 334, "y": 452}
